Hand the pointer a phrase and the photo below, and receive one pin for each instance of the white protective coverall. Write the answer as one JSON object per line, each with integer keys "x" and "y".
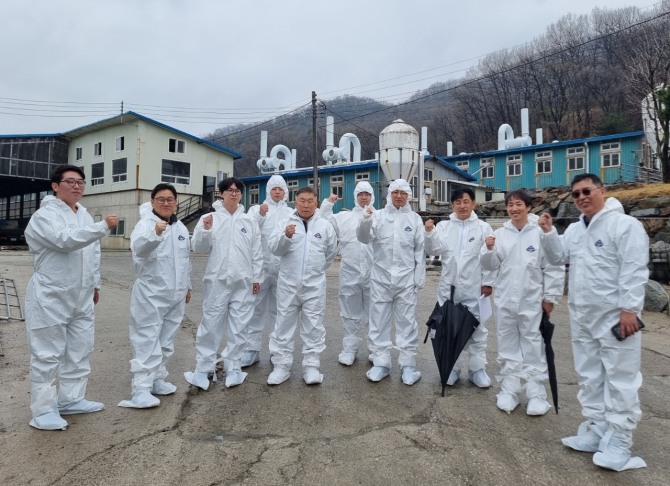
{"x": 459, "y": 242}
{"x": 265, "y": 308}
{"x": 525, "y": 279}
{"x": 158, "y": 300}
{"x": 355, "y": 266}
{"x": 301, "y": 288}
{"x": 398, "y": 272}
{"x": 235, "y": 263}
{"x": 608, "y": 273}
{"x": 59, "y": 305}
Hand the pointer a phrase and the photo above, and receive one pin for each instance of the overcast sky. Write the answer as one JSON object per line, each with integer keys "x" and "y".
{"x": 198, "y": 65}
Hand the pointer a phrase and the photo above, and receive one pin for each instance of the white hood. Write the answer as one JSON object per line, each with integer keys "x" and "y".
{"x": 364, "y": 186}
{"x": 276, "y": 181}
{"x": 399, "y": 185}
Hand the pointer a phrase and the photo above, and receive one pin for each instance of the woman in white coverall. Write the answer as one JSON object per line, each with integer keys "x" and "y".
{"x": 306, "y": 245}
{"x": 64, "y": 242}
{"x": 160, "y": 245}
{"x": 267, "y": 215}
{"x": 459, "y": 241}
{"x": 398, "y": 272}
{"x": 231, "y": 282}
{"x": 526, "y": 285}
{"x": 355, "y": 266}
{"x": 608, "y": 253}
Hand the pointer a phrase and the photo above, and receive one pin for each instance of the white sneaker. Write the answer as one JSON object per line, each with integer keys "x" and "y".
{"x": 82, "y": 406}
{"x": 197, "y": 378}
{"x": 249, "y": 358}
{"x": 453, "y": 378}
{"x": 141, "y": 399}
{"x": 377, "y": 373}
{"x": 537, "y": 406}
{"x": 506, "y": 402}
{"x": 49, "y": 421}
{"x": 346, "y": 358}
{"x": 279, "y": 375}
{"x": 410, "y": 375}
{"x": 162, "y": 387}
{"x": 234, "y": 378}
{"x": 312, "y": 376}
{"x": 480, "y": 378}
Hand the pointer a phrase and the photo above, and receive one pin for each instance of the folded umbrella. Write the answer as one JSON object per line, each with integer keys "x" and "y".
{"x": 450, "y": 326}
{"x": 547, "y": 331}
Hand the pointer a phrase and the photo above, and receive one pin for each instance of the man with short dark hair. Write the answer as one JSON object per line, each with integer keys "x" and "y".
{"x": 306, "y": 246}
{"x": 608, "y": 253}
{"x": 64, "y": 242}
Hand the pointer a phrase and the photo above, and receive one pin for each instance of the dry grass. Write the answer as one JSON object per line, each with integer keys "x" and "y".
{"x": 640, "y": 192}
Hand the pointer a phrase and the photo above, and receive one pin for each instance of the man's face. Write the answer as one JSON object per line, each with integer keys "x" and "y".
{"x": 518, "y": 211}
{"x": 463, "y": 206}
{"x": 277, "y": 194}
{"x": 231, "y": 196}
{"x": 399, "y": 198}
{"x": 363, "y": 199}
{"x": 70, "y": 189}
{"x": 164, "y": 203}
{"x": 305, "y": 205}
{"x": 590, "y": 204}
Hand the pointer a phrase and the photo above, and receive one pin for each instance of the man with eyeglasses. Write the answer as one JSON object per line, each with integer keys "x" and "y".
{"x": 230, "y": 284}
{"x": 608, "y": 253}
{"x": 161, "y": 256}
{"x": 64, "y": 242}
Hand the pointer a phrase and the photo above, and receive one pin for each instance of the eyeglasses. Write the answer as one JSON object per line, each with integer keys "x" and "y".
{"x": 163, "y": 200}
{"x": 233, "y": 192}
{"x": 74, "y": 182}
{"x": 586, "y": 191}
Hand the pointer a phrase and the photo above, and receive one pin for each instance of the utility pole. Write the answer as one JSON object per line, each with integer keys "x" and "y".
{"x": 315, "y": 159}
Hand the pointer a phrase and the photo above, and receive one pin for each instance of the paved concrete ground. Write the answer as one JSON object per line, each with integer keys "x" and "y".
{"x": 345, "y": 431}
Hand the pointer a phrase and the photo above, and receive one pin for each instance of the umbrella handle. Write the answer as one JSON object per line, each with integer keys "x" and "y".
{"x": 425, "y": 340}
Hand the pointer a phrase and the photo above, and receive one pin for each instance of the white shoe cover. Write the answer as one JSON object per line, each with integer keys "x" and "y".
{"x": 506, "y": 402}
{"x": 615, "y": 453}
{"x": 453, "y": 377}
{"x": 49, "y": 421}
{"x": 346, "y": 358}
{"x": 197, "y": 378}
{"x": 234, "y": 378}
{"x": 312, "y": 376}
{"x": 82, "y": 406}
{"x": 278, "y": 376}
{"x": 587, "y": 439}
{"x": 249, "y": 358}
{"x": 480, "y": 378}
{"x": 162, "y": 387}
{"x": 377, "y": 373}
{"x": 410, "y": 375}
{"x": 141, "y": 399}
{"x": 537, "y": 406}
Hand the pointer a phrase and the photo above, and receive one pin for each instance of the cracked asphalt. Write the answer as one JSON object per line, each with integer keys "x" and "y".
{"x": 345, "y": 431}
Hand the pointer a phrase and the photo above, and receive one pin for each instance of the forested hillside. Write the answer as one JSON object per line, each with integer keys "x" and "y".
{"x": 586, "y": 76}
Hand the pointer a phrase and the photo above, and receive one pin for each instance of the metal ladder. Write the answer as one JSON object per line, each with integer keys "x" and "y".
{"x": 10, "y": 302}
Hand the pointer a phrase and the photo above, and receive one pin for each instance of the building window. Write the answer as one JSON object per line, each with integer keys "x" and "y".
{"x": 463, "y": 164}
{"x": 97, "y": 149}
{"x": 177, "y": 146}
{"x": 97, "y": 174}
{"x": 543, "y": 162}
{"x": 292, "y": 189}
{"x": 337, "y": 185}
{"x": 79, "y": 153}
{"x": 29, "y": 204}
{"x": 253, "y": 194}
{"x": 441, "y": 190}
{"x": 428, "y": 175}
{"x": 610, "y": 154}
{"x": 513, "y": 165}
{"x": 576, "y": 158}
{"x": 120, "y": 170}
{"x": 362, "y": 176}
{"x": 487, "y": 166}
{"x": 220, "y": 175}
{"x": 120, "y": 144}
{"x": 414, "y": 185}
{"x": 120, "y": 230}
{"x": 14, "y": 207}
{"x": 174, "y": 172}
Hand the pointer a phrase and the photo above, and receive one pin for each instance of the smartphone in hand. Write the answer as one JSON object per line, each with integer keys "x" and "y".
{"x": 616, "y": 330}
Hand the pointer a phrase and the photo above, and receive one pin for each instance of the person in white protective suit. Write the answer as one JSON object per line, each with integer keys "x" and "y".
{"x": 232, "y": 279}
{"x": 61, "y": 294}
{"x": 396, "y": 235}
{"x": 306, "y": 245}
{"x": 160, "y": 246}
{"x": 267, "y": 215}
{"x": 355, "y": 266}
{"x": 458, "y": 241}
{"x": 608, "y": 253}
{"x": 526, "y": 285}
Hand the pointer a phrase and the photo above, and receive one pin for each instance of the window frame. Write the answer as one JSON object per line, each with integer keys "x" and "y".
{"x": 544, "y": 158}
{"x": 120, "y": 177}
{"x": 97, "y": 181}
{"x": 79, "y": 153}
{"x": 97, "y": 149}
{"x": 487, "y": 165}
{"x": 120, "y": 141}
{"x": 609, "y": 151}
{"x": 175, "y": 144}
{"x": 514, "y": 163}
{"x": 576, "y": 154}
{"x": 175, "y": 178}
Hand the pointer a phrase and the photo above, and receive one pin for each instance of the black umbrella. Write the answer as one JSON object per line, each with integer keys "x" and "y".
{"x": 547, "y": 331}
{"x": 450, "y": 327}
